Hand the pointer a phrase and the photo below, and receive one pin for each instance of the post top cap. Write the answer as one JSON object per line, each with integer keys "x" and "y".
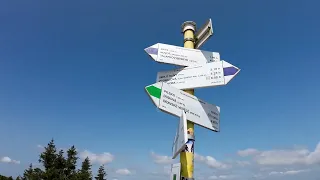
{"x": 188, "y": 25}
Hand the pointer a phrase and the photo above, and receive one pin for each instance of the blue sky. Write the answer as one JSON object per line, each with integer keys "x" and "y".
{"x": 75, "y": 71}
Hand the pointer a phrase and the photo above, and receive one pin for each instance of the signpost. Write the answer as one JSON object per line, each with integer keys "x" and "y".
{"x": 203, "y": 34}
{"x": 181, "y": 137}
{"x": 173, "y": 101}
{"x": 173, "y": 92}
{"x": 181, "y": 56}
{"x": 210, "y": 74}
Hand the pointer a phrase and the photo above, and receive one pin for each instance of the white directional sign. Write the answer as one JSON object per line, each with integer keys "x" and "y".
{"x": 210, "y": 74}
{"x": 181, "y": 56}
{"x": 203, "y": 34}
{"x": 172, "y": 100}
{"x": 181, "y": 137}
{"x": 175, "y": 171}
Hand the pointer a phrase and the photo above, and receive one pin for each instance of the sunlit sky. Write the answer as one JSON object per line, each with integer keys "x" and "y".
{"x": 76, "y": 71}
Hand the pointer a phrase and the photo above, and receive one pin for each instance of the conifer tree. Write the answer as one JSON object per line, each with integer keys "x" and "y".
{"x": 71, "y": 163}
{"x": 3, "y": 177}
{"x": 101, "y": 173}
{"x": 59, "y": 165}
{"x": 48, "y": 158}
{"x": 28, "y": 173}
{"x": 37, "y": 174}
{"x": 31, "y": 174}
{"x": 85, "y": 171}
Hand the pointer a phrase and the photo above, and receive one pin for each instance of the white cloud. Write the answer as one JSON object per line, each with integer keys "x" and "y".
{"x": 264, "y": 169}
{"x": 162, "y": 171}
{"x": 247, "y": 152}
{"x": 167, "y": 169}
{"x": 103, "y": 158}
{"x": 6, "y": 160}
{"x": 281, "y": 157}
{"x": 211, "y": 161}
{"x": 160, "y": 159}
{"x": 258, "y": 176}
{"x": 9, "y": 160}
{"x": 123, "y": 171}
{"x": 223, "y": 177}
{"x": 284, "y": 157}
{"x": 243, "y": 163}
{"x": 292, "y": 172}
{"x": 40, "y": 146}
{"x": 258, "y": 164}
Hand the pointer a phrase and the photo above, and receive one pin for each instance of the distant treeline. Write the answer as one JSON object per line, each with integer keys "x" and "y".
{"x": 57, "y": 166}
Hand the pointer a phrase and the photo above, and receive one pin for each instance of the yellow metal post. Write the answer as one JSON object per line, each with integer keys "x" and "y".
{"x": 187, "y": 156}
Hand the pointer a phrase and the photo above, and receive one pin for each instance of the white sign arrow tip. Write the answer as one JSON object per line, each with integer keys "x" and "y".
{"x": 229, "y": 71}
{"x": 152, "y": 51}
{"x": 154, "y": 92}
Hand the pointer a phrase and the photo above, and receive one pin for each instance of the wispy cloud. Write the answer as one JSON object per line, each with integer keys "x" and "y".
{"x": 161, "y": 159}
{"x": 284, "y": 157}
{"x": 291, "y": 172}
{"x": 6, "y": 159}
{"x": 123, "y": 171}
{"x": 211, "y": 162}
{"x": 102, "y": 158}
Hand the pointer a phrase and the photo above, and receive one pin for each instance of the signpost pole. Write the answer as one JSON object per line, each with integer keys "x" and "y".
{"x": 187, "y": 156}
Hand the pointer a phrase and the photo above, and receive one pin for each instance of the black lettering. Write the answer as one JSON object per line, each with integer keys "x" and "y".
{"x": 170, "y": 98}
{"x": 170, "y": 103}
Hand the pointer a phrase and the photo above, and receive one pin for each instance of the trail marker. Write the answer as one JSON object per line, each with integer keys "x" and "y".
{"x": 181, "y": 136}
{"x": 201, "y": 69}
{"x": 172, "y": 100}
{"x": 181, "y": 56}
{"x": 210, "y": 74}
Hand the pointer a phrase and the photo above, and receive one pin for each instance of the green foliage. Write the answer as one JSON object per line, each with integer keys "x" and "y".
{"x": 101, "y": 173}
{"x": 57, "y": 166}
{"x": 85, "y": 172}
{"x": 71, "y": 163}
{"x": 5, "y": 178}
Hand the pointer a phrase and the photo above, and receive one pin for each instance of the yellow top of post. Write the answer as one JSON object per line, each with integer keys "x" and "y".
{"x": 188, "y": 28}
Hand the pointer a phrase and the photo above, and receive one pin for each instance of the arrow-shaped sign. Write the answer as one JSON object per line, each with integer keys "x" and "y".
{"x": 210, "y": 74}
{"x": 172, "y": 100}
{"x": 181, "y": 56}
{"x": 181, "y": 137}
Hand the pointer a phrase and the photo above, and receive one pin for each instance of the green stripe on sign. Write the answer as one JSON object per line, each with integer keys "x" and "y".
{"x": 154, "y": 91}
{"x": 174, "y": 177}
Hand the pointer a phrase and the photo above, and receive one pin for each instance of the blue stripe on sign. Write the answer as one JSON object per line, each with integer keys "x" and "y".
{"x": 152, "y": 50}
{"x": 230, "y": 71}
